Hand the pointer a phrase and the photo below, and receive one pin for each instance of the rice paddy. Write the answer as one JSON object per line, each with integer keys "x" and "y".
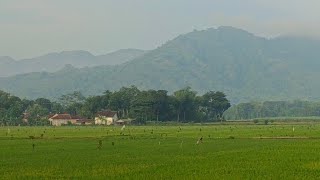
{"x": 230, "y": 151}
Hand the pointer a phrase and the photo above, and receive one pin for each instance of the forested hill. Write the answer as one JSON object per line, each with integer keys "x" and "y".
{"x": 242, "y": 65}
{"x": 268, "y": 109}
{"x": 53, "y": 62}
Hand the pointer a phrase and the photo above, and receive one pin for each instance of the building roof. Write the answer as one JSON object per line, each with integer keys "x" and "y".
{"x": 107, "y": 113}
{"x": 66, "y": 117}
{"x": 61, "y": 116}
{"x": 50, "y": 115}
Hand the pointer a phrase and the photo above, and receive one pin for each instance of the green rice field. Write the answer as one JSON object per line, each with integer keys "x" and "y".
{"x": 229, "y": 151}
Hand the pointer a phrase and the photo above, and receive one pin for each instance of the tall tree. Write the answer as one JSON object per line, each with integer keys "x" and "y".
{"x": 186, "y": 104}
{"x": 142, "y": 106}
{"x": 92, "y": 105}
{"x": 215, "y": 104}
{"x": 37, "y": 114}
{"x": 160, "y": 103}
{"x": 72, "y": 98}
{"x": 11, "y": 108}
{"x": 45, "y": 103}
{"x": 121, "y": 100}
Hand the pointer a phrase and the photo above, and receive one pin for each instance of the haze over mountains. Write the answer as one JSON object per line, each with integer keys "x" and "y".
{"x": 53, "y": 62}
{"x": 244, "y": 66}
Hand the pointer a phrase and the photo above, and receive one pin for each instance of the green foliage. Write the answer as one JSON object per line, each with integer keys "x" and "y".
{"x": 186, "y": 104}
{"x": 129, "y": 102}
{"x": 214, "y": 104}
{"x": 45, "y": 103}
{"x": 170, "y": 152}
{"x": 37, "y": 115}
{"x": 73, "y": 98}
{"x": 121, "y": 100}
{"x": 56, "y": 107}
{"x": 273, "y": 109}
{"x": 11, "y": 109}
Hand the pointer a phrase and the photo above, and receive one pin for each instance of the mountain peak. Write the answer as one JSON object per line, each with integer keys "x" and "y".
{"x": 244, "y": 66}
{"x": 6, "y": 59}
{"x": 230, "y": 28}
{"x": 53, "y": 62}
{"x": 76, "y": 53}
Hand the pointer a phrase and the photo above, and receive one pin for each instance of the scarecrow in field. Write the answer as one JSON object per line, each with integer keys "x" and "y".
{"x": 200, "y": 140}
{"x": 123, "y": 127}
{"x": 100, "y": 144}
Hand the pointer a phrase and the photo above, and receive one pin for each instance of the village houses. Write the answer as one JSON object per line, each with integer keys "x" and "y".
{"x": 64, "y": 119}
{"x": 106, "y": 118}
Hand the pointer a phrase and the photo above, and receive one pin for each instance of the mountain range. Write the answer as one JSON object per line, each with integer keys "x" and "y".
{"x": 53, "y": 62}
{"x": 245, "y": 66}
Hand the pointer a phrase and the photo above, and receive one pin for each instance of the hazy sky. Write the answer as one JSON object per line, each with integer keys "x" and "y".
{"x": 30, "y": 28}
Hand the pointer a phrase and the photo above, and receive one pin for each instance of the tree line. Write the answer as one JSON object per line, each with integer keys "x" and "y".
{"x": 184, "y": 105}
{"x": 253, "y": 110}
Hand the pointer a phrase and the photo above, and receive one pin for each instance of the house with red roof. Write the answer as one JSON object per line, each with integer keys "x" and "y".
{"x": 106, "y": 117}
{"x": 64, "y": 119}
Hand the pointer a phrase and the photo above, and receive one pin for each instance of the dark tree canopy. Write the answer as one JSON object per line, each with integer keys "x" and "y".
{"x": 273, "y": 109}
{"x": 183, "y": 105}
